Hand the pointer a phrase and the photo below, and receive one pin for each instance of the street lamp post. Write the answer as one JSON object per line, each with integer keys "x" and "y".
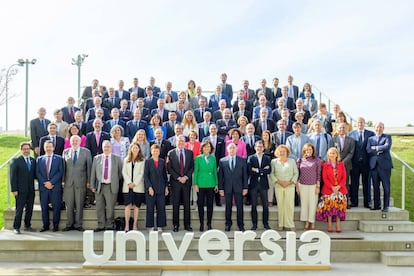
{"x": 78, "y": 62}
{"x": 7, "y": 93}
{"x": 21, "y": 63}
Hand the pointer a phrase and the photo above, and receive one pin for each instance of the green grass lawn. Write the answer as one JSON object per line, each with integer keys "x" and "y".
{"x": 403, "y": 146}
{"x": 9, "y": 144}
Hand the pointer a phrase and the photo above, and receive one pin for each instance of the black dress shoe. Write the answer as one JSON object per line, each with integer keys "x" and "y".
{"x": 68, "y": 228}
{"x": 80, "y": 229}
{"x": 188, "y": 228}
{"x": 44, "y": 229}
{"x": 29, "y": 229}
{"x": 267, "y": 227}
{"x": 375, "y": 208}
{"x": 227, "y": 229}
{"x": 110, "y": 228}
{"x": 219, "y": 204}
{"x": 17, "y": 231}
{"x": 254, "y": 227}
{"x": 175, "y": 229}
{"x": 201, "y": 227}
{"x": 209, "y": 227}
{"x": 367, "y": 206}
{"x": 385, "y": 209}
{"x": 353, "y": 205}
{"x": 99, "y": 229}
{"x": 55, "y": 229}
{"x": 348, "y": 206}
{"x": 242, "y": 229}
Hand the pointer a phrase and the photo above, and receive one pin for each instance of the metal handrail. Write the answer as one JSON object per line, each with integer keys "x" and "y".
{"x": 404, "y": 165}
{"x": 7, "y": 162}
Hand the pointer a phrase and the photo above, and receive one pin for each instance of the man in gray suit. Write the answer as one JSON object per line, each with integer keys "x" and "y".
{"x": 194, "y": 101}
{"x": 346, "y": 146}
{"x": 38, "y": 129}
{"x": 105, "y": 176}
{"x": 77, "y": 164}
{"x": 322, "y": 141}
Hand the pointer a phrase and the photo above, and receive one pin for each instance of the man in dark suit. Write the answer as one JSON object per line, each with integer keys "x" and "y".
{"x": 280, "y": 136}
{"x": 87, "y": 92}
{"x": 95, "y": 138}
{"x": 263, "y": 123}
{"x": 345, "y": 146}
{"x": 150, "y": 101}
{"x": 114, "y": 121}
{"x": 262, "y": 104}
{"x": 124, "y": 113}
{"x": 69, "y": 111}
{"x": 258, "y": 168}
{"x": 199, "y": 112}
{"x": 165, "y": 145}
{"x": 213, "y": 103}
{"x": 90, "y": 115}
{"x": 49, "y": 172}
{"x": 225, "y": 124}
{"x": 241, "y": 98}
{"x": 233, "y": 183}
{"x": 170, "y": 124}
{"x": 181, "y": 167}
{"x": 156, "y": 90}
{"x": 276, "y": 91}
{"x": 242, "y": 111}
{"x": 76, "y": 178}
{"x": 38, "y": 129}
{"x": 160, "y": 110}
{"x": 22, "y": 175}
{"x": 138, "y": 90}
{"x": 145, "y": 112}
{"x": 195, "y": 101}
{"x": 79, "y": 121}
{"x": 288, "y": 102}
{"x": 267, "y": 92}
{"x": 58, "y": 142}
{"x": 249, "y": 95}
{"x": 227, "y": 89}
{"x": 380, "y": 163}
{"x": 360, "y": 164}
{"x": 134, "y": 125}
{"x": 112, "y": 101}
{"x": 250, "y": 139}
{"x": 203, "y": 127}
{"x": 293, "y": 89}
{"x": 299, "y": 108}
{"x": 106, "y": 173}
{"x": 121, "y": 93}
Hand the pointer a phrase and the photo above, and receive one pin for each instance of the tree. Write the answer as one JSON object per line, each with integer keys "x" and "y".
{"x": 6, "y": 76}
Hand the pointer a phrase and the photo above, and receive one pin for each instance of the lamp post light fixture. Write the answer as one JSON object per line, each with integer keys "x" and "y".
{"x": 26, "y": 62}
{"x": 78, "y": 62}
{"x": 7, "y": 91}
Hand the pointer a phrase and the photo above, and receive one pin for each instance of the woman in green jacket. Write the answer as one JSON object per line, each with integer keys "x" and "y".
{"x": 205, "y": 182}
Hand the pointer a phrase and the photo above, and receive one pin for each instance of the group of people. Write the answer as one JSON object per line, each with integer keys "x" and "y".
{"x": 276, "y": 144}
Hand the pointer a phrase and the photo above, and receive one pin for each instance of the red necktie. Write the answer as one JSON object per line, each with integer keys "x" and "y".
{"x": 106, "y": 165}
{"x": 72, "y": 115}
{"x": 246, "y": 95}
{"x": 181, "y": 163}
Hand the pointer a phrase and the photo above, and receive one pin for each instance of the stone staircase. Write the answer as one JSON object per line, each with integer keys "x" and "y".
{"x": 368, "y": 236}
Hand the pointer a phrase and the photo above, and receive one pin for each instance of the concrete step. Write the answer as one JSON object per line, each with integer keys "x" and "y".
{"x": 397, "y": 258}
{"x": 386, "y": 226}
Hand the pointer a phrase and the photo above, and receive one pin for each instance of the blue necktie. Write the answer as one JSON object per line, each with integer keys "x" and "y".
{"x": 29, "y": 165}
{"x": 318, "y": 144}
{"x": 75, "y": 157}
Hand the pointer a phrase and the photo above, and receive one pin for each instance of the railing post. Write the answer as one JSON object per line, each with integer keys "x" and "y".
{"x": 8, "y": 187}
{"x": 403, "y": 188}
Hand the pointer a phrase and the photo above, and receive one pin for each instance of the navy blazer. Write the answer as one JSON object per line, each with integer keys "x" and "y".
{"x": 170, "y": 129}
{"x": 250, "y": 149}
{"x": 223, "y": 129}
{"x": 66, "y": 114}
{"x": 381, "y": 156}
{"x": 164, "y": 114}
{"x": 233, "y": 181}
{"x": 21, "y": 179}
{"x": 109, "y": 104}
{"x": 165, "y": 148}
{"x": 228, "y": 91}
{"x": 139, "y": 90}
{"x": 248, "y": 107}
{"x": 55, "y": 173}
{"x": 174, "y": 166}
{"x": 258, "y": 126}
{"x": 360, "y": 152}
{"x": 108, "y": 125}
{"x": 155, "y": 177}
{"x": 258, "y": 178}
{"x": 59, "y": 147}
{"x": 90, "y": 115}
{"x": 37, "y": 131}
{"x": 197, "y": 114}
{"x": 125, "y": 115}
{"x": 202, "y": 130}
{"x": 125, "y": 94}
{"x": 219, "y": 147}
{"x": 91, "y": 142}
{"x": 131, "y": 129}
{"x": 213, "y": 103}
{"x": 150, "y": 104}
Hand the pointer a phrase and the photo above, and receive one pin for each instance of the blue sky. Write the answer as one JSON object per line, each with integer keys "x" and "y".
{"x": 357, "y": 52}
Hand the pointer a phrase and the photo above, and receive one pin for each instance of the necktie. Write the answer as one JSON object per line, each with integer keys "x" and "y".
{"x": 48, "y": 167}
{"x": 318, "y": 144}
{"x": 246, "y": 95}
{"x": 75, "y": 156}
{"x": 342, "y": 142}
{"x": 113, "y": 101}
{"x": 181, "y": 163}
{"x": 54, "y": 141}
{"x": 264, "y": 125}
{"x": 72, "y": 115}
{"x": 282, "y": 138}
{"x": 29, "y": 165}
{"x": 106, "y": 168}
{"x": 232, "y": 163}
{"x": 43, "y": 124}
{"x": 360, "y": 141}
{"x": 205, "y": 128}
{"x": 227, "y": 123}
{"x": 98, "y": 137}
{"x": 251, "y": 141}
{"x": 136, "y": 124}
{"x": 202, "y": 113}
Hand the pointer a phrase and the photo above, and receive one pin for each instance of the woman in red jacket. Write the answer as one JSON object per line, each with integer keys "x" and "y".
{"x": 333, "y": 201}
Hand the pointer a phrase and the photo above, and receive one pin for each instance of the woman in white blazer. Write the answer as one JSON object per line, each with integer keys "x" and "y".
{"x": 133, "y": 187}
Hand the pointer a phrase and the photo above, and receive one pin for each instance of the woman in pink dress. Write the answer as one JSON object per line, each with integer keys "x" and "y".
{"x": 73, "y": 129}
{"x": 235, "y": 136}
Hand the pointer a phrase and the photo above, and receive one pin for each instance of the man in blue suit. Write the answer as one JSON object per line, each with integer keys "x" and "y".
{"x": 69, "y": 111}
{"x": 233, "y": 183}
{"x": 150, "y": 101}
{"x": 213, "y": 103}
{"x": 58, "y": 142}
{"x": 49, "y": 172}
{"x": 22, "y": 175}
{"x": 173, "y": 94}
{"x": 380, "y": 163}
{"x": 360, "y": 164}
{"x": 134, "y": 125}
{"x": 258, "y": 168}
{"x": 227, "y": 89}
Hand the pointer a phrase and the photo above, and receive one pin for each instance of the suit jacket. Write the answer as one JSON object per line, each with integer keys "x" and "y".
{"x": 228, "y": 91}
{"x": 381, "y": 155}
{"x": 174, "y": 95}
{"x": 91, "y": 142}
{"x": 21, "y": 179}
{"x": 37, "y": 131}
{"x": 110, "y": 123}
{"x": 248, "y": 107}
{"x": 347, "y": 152}
{"x": 125, "y": 115}
{"x": 295, "y": 92}
{"x": 174, "y": 166}
{"x": 139, "y": 90}
{"x": 156, "y": 91}
{"x": 325, "y": 143}
{"x": 217, "y": 115}
{"x": 136, "y": 176}
{"x": 165, "y": 148}
{"x": 219, "y": 148}
{"x": 90, "y": 115}
{"x": 197, "y": 113}
{"x": 202, "y": 130}
{"x": 150, "y": 103}
{"x": 205, "y": 173}
{"x": 87, "y": 93}
{"x": 256, "y": 112}
{"x": 360, "y": 152}
{"x": 125, "y": 94}
{"x": 258, "y": 179}
{"x": 59, "y": 144}
{"x": 289, "y": 103}
{"x": 155, "y": 177}
{"x": 233, "y": 180}
{"x": 111, "y": 103}
{"x": 250, "y": 148}
{"x": 164, "y": 114}
{"x": 55, "y": 173}
{"x": 66, "y": 114}
{"x": 277, "y": 137}
{"x": 295, "y": 145}
{"x": 268, "y": 93}
{"x": 97, "y": 171}
{"x": 246, "y": 113}
{"x": 313, "y": 106}
{"x": 77, "y": 174}
{"x": 194, "y": 101}
{"x": 145, "y": 114}
{"x": 258, "y": 126}
{"x": 131, "y": 128}
{"x": 213, "y": 103}
{"x": 306, "y": 115}
{"x": 169, "y": 128}
{"x": 223, "y": 129}
{"x": 276, "y": 95}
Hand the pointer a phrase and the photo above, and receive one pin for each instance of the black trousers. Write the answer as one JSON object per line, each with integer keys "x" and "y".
{"x": 156, "y": 201}
{"x": 360, "y": 169}
{"x": 23, "y": 201}
{"x": 181, "y": 191}
{"x": 205, "y": 197}
{"x": 263, "y": 196}
{"x": 239, "y": 205}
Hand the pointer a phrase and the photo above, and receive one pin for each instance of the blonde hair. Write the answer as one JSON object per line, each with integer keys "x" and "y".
{"x": 277, "y": 151}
